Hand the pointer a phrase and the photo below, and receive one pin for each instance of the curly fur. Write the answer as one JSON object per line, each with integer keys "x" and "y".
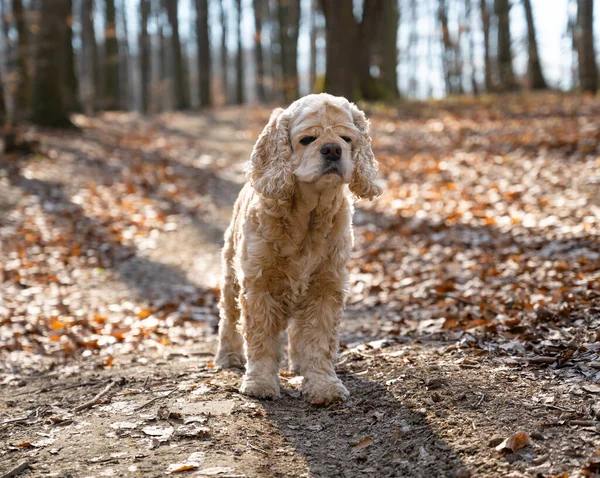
{"x": 286, "y": 249}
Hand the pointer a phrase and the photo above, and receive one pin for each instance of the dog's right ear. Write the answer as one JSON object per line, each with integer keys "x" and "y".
{"x": 269, "y": 169}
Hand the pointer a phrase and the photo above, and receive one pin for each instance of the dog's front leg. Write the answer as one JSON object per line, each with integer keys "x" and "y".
{"x": 314, "y": 341}
{"x": 263, "y": 319}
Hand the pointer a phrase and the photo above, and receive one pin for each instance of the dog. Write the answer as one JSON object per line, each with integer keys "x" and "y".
{"x": 286, "y": 249}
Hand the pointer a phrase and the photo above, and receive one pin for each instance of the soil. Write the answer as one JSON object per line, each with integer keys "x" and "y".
{"x": 421, "y": 405}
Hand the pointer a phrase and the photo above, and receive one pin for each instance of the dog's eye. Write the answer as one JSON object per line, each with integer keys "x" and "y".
{"x": 347, "y": 139}
{"x": 307, "y": 140}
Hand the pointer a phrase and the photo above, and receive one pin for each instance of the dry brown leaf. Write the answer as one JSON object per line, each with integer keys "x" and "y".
{"x": 514, "y": 442}
{"x": 363, "y": 443}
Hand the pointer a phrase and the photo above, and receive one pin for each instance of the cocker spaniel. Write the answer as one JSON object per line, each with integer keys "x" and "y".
{"x": 285, "y": 253}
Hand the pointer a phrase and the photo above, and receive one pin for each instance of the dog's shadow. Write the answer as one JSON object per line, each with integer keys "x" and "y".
{"x": 372, "y": 434}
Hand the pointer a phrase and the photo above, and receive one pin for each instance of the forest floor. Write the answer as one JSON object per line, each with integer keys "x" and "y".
{"x": 471, "y": 340}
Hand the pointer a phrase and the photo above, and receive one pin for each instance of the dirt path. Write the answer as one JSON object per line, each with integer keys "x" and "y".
{"x": 136, "y": 294}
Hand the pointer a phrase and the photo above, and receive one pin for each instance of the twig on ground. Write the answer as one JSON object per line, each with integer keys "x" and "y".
{"x": 542, "y": 359}
{"x": 585, "y": 423}
{"x": 15, "y": 420}
{"x": 74, "y": 385}
{"x": 562, "y": 409}
{"x": 96, "y": 399}
{"x": 480, "y": 400}
{"x": 17, "y": 470}
{"x": 150, "y": 402}
{"x": 146, "y": 382}
{"x": 256, "y": 448}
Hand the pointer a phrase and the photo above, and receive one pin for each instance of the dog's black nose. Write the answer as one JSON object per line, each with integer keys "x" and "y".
{"x": 331, "y": 151}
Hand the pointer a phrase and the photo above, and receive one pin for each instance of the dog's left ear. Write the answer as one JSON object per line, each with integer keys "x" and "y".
{"x": 269, "y": 170}
{"x": 362, "y": 183}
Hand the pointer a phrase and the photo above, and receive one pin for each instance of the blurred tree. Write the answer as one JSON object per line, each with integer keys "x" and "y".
{"x": 288, "y": 13}
{"x": 506, "y": 75}
{"x": 111, "y": 59}
{"x": 584, "y": 35}
{"x": 275, "y": 50}
{"x": 388, "y": 48}
{"x": 451, "y": 53}
{"x": 125, "y": 99}
{"x": 471, "y": 41}
{"x": 50, "y": 107}
{"x": 23, "y": 98}
{"x": 535, "y": 78}
{"x": 145, "y": 51}
{"x": 350, "y": 74}
{"x": 89, "y": 58}
{"x": 224, "y": 55}
{"x": 70, "y": 84}
{"x": 487, "y": 63}
{"x": 239, "y": 59}
{"x": 312, "y": 76}
{"x": 260, "y": 12}
{"x": 181, "y": 89}
{"x": 204, "y": 56}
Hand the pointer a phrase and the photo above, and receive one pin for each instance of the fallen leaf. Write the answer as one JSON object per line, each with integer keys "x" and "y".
{"x": 363, "y": 443}
{"x": 593, "y": 388}
{"x": 514, "y": 442}
{"x": 215, "y": 470}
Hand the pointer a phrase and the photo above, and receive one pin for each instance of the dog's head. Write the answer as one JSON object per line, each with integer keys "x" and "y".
{"x": 319, "y": 139}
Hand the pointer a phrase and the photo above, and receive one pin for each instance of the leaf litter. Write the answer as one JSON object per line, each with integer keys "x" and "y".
{"x": 474, "y": 303}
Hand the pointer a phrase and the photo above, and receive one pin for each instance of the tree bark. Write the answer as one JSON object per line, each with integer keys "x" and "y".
{"x": 312, "y": 75}
{"x": 506, "y": 75}
{"x": 181, "y": 89}
{"x": 288, "y": 13}
{"x": 224, "y": 62}
{"x": 487, "y": 64}
{"x": 204, "y": 56}
{"x": 90, "y": 57}
{"x": 239, "y": 59}
{"x": 145, "y": 48}
{"x": 389, "y": 48}
{"x": 259, "y": 14}
{"x": 23, "y": 98}
{"x": 111, "y": 59}
{"x": 588, "y": 70}
{"x": 124, "y": 57}
{"x": 535, "y": 77}
{"x": 50, "y": 107}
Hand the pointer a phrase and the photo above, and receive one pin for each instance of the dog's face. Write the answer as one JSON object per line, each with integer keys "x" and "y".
{"x": 322, "y": 133}
{"x": 319, "y": 139}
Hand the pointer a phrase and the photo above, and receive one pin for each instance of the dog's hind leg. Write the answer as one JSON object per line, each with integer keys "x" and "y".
{"x": 230, "y": 353}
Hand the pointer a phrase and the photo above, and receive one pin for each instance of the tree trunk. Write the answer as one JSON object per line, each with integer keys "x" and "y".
{"x": 145, "y": 49}
{"x": 288, "y": 13}
{"x": 535, "y": 78}
{"x": 506, "y": 75}
{"x": 276, "y": 93}
{"x": 239, "y": 59}
{"x": 111, "y": 59}
{"x": 469, "y": 22}
{"x": 204, "y": 57}
{"x": 389, "y": 49}
{"x": 487, "y": 64}
{"x": 50, "y": 107}
{"x": 259, "y": 17}
{"x": 24, "y": 88}
{"x": 588, "y": 70}
{"x": 224, "y": 62}
{"x": 182, "y": 101}
{"x": 90, "y": 58}
{"x": 340, "y": 39}
{"x": 124, "y": 57}
{"x": 312, "y": 75}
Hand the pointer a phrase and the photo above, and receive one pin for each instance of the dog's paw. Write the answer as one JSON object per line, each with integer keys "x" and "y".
{"x": 322, "y": 390}
{"x": 261, "y": 387}
{"x": 230, "y": 360}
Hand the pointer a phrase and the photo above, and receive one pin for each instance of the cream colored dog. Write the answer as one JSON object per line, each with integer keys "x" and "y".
{"x": 285, "y": 253}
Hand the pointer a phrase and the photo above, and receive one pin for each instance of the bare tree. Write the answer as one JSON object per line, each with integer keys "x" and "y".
{"x": 506, "y": 75}
{"x": 388, "y": 36}
{"x": 535, "y": 78}
{"x": 24, "y": 88}
{"x": 124, "y": 59}
{"x": 50, "y": 107}
{"x": 181, "y": 89}
{"x": 584, "y": 34}
{"x": 260, "y": 12}
{"x": 288, "y": 13}
{"x": 313, "y": 46}
{"x": 145, "y": 50}
{"x": 224, "y": 54}
{"x": 111, "y": 59}
{"x": 204, "y": 56}
{"x": 487, "y": 63}
{"x": 89, "y": 55}
{"x": 239, "y": 58}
